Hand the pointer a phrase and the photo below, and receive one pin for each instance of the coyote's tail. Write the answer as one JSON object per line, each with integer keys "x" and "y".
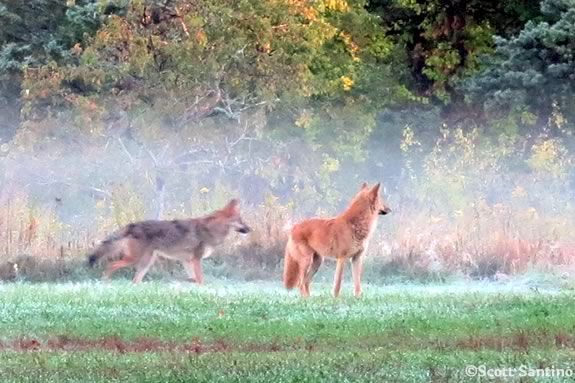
{"x": 106, "y": 247}
{"x": 291, "y": 268}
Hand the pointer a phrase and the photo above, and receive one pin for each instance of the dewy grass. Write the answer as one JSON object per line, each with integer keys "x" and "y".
{"x": 260, "y": 312}
{"x": 98, "y": 332}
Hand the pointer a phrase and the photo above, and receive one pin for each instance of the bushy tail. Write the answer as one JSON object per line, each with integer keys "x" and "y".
{"x": 291, "y": 269}
{"x": 105, "y": 248}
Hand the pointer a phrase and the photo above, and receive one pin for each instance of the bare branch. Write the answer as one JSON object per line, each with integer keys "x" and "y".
{"x": 151, "y": 155}
{"x": 125, "y": 150}
{"x": 184, "y": 26}
{"x": 102, "y": 191}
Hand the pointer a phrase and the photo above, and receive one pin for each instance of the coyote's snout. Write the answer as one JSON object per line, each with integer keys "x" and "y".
{"x": 385, "y": 210}
{"x": 186, "y": 240}
{"x": 344, "y": 238}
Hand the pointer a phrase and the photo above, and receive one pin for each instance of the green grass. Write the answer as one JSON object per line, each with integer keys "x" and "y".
{"x": 377, "y": 366}
{"x": 96, "y": 332}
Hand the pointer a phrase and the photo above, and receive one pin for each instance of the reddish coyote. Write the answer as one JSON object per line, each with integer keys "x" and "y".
{"x": 344, "y": 238}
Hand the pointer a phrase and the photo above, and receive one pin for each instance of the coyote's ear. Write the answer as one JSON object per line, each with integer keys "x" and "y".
{"x": 363, "y": 186}
{"x": 232, "y": 206}
{"x": 375, "y": 190}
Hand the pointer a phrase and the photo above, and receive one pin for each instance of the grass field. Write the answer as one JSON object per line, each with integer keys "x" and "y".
{"x": 173, "y": 331}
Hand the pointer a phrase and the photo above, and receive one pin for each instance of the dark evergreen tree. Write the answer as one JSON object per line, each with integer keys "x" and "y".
{"x": 534, "y": 71}
{"x": 36, "y": 32}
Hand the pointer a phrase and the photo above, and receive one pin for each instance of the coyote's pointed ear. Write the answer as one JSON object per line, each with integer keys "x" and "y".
{"x": 232, "y": 206}
{"x": 375, "y": 190}
{"x": 363, "y": 186}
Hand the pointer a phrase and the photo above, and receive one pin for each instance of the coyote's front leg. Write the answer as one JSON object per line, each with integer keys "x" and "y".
{"x": 339, "y": 266}
{"x": 189, "y": 270}
{"x": 356, "y": 271}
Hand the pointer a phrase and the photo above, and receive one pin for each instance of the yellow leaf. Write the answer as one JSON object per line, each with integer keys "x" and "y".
{"x": 346, "y": 82}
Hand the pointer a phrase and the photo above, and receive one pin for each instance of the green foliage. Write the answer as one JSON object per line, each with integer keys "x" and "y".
{"x": 234, "y": 56}
{"x": 38, "y": 31}
{"x": 35, "y": 33}
{"x": 535, "y": 69}
{"x": 443, "y": 40}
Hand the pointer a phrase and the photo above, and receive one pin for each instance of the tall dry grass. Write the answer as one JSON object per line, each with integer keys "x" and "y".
{"x": 480, "y": 242}
{"x": 35, "y": 244}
